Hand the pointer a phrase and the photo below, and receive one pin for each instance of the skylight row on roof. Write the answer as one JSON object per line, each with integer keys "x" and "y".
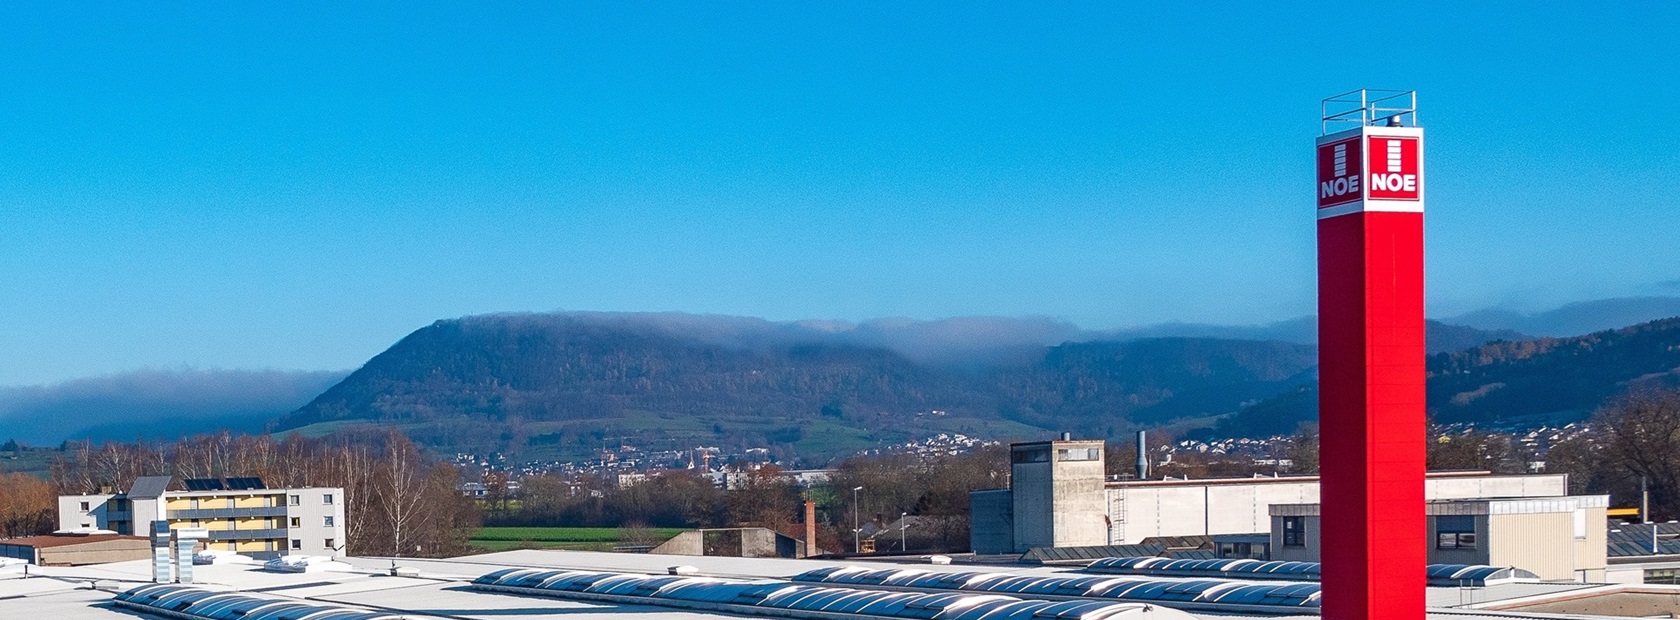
{"x": 1202, "y": 593}
{"x": 190, "y": 603}
{"x": 784, "y": 599}
{"x": 1440, "y": 575}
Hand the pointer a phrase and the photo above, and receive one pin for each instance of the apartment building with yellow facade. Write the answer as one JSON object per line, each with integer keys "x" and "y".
{"x": 241, "y": 514}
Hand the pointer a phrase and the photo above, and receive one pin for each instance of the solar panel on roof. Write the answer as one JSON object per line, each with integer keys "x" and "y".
{"x": 245, "y": 483}
{"x": 203, "y": 484}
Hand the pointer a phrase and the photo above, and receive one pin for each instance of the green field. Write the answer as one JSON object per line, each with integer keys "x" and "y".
{"x": 322, "y": 429}
{"x": 32, "y": 461}
{"x": 570, "y": 538}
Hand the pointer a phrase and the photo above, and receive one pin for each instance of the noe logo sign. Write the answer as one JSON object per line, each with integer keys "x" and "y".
{"x": 1393, "y": 164}
{"x": 1339, "y": 172}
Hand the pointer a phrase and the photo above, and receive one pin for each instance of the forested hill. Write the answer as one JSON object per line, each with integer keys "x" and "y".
{"x": 1542, "y": 379}
{"x": 563, "y": 384}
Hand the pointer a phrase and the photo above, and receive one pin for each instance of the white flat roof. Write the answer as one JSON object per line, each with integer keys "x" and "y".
{"x": 441, "y": 592}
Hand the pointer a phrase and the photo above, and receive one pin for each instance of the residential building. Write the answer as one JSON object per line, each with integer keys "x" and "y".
{"x": 240, "y": 514}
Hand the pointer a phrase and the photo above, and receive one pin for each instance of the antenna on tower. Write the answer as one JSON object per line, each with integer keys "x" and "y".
{"x": 1366, "y": 107}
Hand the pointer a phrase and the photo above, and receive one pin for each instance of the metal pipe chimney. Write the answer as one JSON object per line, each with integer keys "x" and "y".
{"x": 1142, "y": 456}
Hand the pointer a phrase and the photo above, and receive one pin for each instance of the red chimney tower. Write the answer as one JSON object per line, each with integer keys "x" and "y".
{"x": 1371, "y": 351}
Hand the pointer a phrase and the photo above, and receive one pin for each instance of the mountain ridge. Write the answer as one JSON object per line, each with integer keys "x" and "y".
{"x": 559, "y": 383}
{"x": 1556, "y": 380}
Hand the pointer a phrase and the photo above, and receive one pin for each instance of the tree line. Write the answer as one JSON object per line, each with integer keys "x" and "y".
{"x": 934, "y": 488}
{"x": 398, "y": 500}
{"x": 28, "y": 506}
{"x": 404, "y": 503}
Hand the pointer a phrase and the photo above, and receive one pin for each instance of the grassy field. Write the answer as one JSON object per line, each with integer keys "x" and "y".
{"x": 32, "y": 461}
{"x": 572, "y": 538}
{"x": 322, "y": 429}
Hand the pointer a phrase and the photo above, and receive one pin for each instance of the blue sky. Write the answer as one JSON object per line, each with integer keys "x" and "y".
{"x": 297, "y": 185}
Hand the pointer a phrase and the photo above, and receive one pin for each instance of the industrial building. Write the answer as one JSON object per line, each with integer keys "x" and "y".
{"x": 746, "y": 542}
{"x": 1060, "y": 496}
{"x": 1556, "y": 538}
{"x": 75, "y": 550}
{"x": 240, "y": 514}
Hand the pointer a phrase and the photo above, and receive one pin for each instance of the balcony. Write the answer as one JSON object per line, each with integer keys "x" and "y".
{"x": 227, "y": 513}
{"x": 278, "y": 532}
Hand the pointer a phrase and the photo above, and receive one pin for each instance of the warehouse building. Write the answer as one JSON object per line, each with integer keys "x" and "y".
{"x": 1556, "y": 538}
{"x": 1060, "y": 496}
{"x": 241, "y": 514}
{"x": 75, "y": 550}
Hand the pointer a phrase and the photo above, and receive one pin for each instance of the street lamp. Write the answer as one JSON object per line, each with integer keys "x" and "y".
{"x": 857, "y": 540}
{"x": 903, "y": 535}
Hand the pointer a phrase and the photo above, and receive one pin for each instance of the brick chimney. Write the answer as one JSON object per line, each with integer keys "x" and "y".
{"x": 811, "y": 529}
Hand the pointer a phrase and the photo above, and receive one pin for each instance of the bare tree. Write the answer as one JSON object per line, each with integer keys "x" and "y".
{"x": 1641, "y": 436}
{"x": 27, "y": 505}
{"x": 398, "y": 500}
{"x": 765, "y": 499}
{"x": 397, "y": 488}
{"x": 1474, "y": 450}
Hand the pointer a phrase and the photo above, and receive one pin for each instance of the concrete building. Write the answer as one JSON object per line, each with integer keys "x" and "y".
{"x": 742, "y": 542}
{"x": 1557, "y": 538}
{"x": 1058, "y": 494}
{"x": 62, "y": 550}
{"x": 1140, "y": 509}
{"x": 1553, "y": 537}
{"x": 1058, "y": 497}
{"x": 240, "y": 514}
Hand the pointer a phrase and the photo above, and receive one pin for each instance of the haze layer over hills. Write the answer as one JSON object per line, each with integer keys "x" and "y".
{"x": 563, "y": 385}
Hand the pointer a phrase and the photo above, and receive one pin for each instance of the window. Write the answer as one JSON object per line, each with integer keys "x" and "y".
{"x": 1031, "y": 455}
{"x": 297, "y": 544}
{"x": 297, "y": 522}
{"x": 1580, "y": 517}
{"x": 1077, "y": 454}
{"x": 84, "y": 506}
{"x": 326, "y": 498}
{"x": 1667, "y": 576}
{"x": 329, "y": 544}
{"x": 1455, "y": 532}
{"x": 1256, "y": 551}
{"x": 294, "y": 500}
{"x": 1294, "y": 531}
{"x": 327, "y": 521}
